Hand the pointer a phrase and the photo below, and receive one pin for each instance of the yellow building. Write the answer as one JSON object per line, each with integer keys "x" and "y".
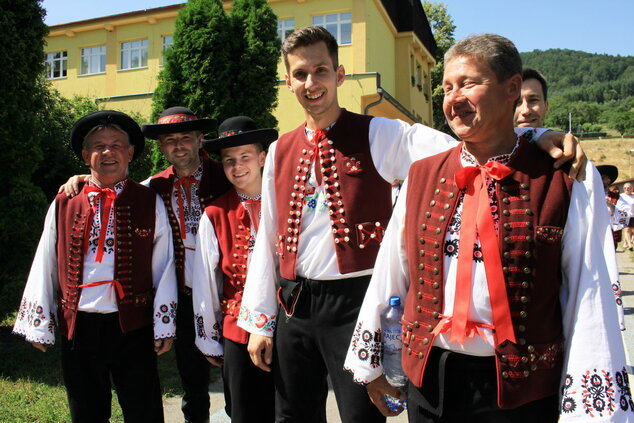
{"x": 386, "y": 47}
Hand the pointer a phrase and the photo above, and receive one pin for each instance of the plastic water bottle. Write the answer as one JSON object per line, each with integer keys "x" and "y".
{"x": 392, "y": 345}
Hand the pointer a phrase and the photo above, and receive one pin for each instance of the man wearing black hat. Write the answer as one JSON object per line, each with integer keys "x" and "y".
{"x": 223, "y": 248}
{"x": 104, "y": 274}
{"x": 618, "y": 215}
{"x": 186, "y": 187}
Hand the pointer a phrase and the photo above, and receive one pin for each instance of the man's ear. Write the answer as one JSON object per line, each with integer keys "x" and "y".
{"x": 514, "y": 87}
{"x": 288, "y": 82}
{"x": 341, "y": 75}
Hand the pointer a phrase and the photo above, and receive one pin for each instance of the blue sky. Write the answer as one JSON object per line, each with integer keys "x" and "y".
{"x": 605, "y": 26}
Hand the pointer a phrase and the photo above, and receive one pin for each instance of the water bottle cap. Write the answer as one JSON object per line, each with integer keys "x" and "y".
{"x": 395, "y": 301}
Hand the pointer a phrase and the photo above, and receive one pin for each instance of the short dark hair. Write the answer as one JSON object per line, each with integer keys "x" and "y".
{"x": 496, "y": 51}
{"x": 529, "y": 73}
{"x": 308, "y": 36}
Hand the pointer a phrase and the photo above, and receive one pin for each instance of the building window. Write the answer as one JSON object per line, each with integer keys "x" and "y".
{"x": 285, "y": 27}
{"x": 419, "y": 77}
{"x": 338, "y": 24}
{"x": 134, "y": 54}
{"x": 56, "y": 64}
{"x": 167, "y": 43}
{"x": 93, "y": 60}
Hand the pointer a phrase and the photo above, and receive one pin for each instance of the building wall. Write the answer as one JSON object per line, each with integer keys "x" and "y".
{"x": 375, "y": 48}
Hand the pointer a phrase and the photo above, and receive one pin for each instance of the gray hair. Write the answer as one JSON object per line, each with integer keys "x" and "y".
{"x": 101, "y": 128}
{"x": 496, "y": 51}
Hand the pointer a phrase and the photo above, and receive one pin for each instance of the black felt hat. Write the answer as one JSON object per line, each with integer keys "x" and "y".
{"x": 107, "y": 117}
{"x": 240, "y": 130}
{"x": 178, "y": 119}
{"x": 610, "y": 171}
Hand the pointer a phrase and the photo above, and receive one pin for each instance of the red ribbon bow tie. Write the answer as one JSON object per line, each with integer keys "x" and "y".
{"x": 109, "y": 195}
{"x": 186, "y": 183}
{"x": 477, "y": 218}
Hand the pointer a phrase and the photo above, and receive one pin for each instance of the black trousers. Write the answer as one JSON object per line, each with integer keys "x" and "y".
{"x": 98, "y": 352}
{"x": 249, "y": 391}
{"x": 312, "y": 345}
{"x": 461, "y": 388}
{"x": 193, "y": 368}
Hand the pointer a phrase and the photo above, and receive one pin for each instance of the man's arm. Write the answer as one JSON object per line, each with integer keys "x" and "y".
{"x": 71, "y": 187}
{"x": 206, "y": 291}
{"x": 36, "y": 317}
{"x": 164, "y": 279}
{"x": 390, "y": 278}
{"x": 594, "y": 357}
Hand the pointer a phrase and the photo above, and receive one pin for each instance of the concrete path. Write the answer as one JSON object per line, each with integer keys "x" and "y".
{"x": 626, "y": 270}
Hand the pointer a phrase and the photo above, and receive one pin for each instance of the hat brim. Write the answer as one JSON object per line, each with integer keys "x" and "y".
{"x": 610, "y": 171}
{"x": 107, "y": 117}
{"x": 262, "y": 136}
{"x": 154, "y": 131}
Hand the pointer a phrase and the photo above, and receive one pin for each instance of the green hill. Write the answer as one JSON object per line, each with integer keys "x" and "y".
{"x": 598, "y": 89}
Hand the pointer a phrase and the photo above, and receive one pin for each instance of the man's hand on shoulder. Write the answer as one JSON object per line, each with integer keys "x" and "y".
{"x": 564, "y": 148}
{"x": 71, "y": 187}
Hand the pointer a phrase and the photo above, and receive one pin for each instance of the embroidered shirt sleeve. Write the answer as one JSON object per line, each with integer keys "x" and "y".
{"x": 594, "y": 384}
{"x": 206, "y": 290}
{"x": 390, "y": 278}
{"x": 36, "y": 319}
{"x": 164, "y": 276}
{"x": 258, "y": 311}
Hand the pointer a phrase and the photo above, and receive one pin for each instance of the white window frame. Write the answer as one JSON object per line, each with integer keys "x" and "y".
{"x": 333, "y": 22}
{"x": 166, "y": 45}
{"x": 57, "y": 62}
{"x": 285, "y": 27}
{"x": 89, "y": 54}
{"x": 128, "y": 52}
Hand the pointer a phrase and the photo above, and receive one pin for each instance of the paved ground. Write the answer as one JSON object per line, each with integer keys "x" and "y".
{"x": 626, "y": 270}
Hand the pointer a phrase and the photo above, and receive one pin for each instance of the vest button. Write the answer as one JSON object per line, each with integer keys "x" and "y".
{"x": 531, "y": 348}
{"x": 435, "y": 315}
{"x": 419, "y": 295}
{"x": 432, "y": 203}
{"x": 430, "y": 328}
{"x": 435, "y": 257}
{"x": 524, "y": 284}
{"x": 505, "y": 200}
{"x": 534, "y": 367}
{"x": 435, "y": 271}
{"x": 522, "y": 341}
{"x": 524, "y": 299}
{"x": 423, "y": 227}
{"x": 507, "y": 255}
{"x": 441, "y": 218}
{"x": 527, "y": 270}
{"x": 436, "y": 245}
{"x": 524, "y": 186}
{"x": 506, "y": 212}
{"x": 418, "y": 309}
{"x": 529, "y": 238}
{"x": 526, "y": 198}
{"x": 421, "y": 266}
{"x": 529, "y": 212}
{"x": 524, "y": 359}
{"x": 421, "y": 355}
{"x": 529, "y": 225}
{"x": 422, "y": 241}
{"x": 526, "y": 373}
{"x": 421, "y": 253}
{"x": 438, "y": 230}
{"x": 436, "y": 191}
{"x": 523, "y": 314}
{"x": 435, "y": 285}
{"x": 416, "y": 324}
{"x": 427, "y": 214}
{"x": 505, "y": 375}
{"x": 503, "y": 358}
{"x": 451, "y": 195}
{"x": 421, "y": 281}
{"x": 528, "y": 254}
{"x": 425, "y": 342}
{"x": 507, "y": 239}
{"x": 443, "y": 180}
{"x": 434, "y": 300}
{"x": 409, "y": 351}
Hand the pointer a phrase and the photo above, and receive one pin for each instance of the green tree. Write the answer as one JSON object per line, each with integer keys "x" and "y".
{"x": 22, "y": 204}
{"x": 196, "y": 72}
{"x": 443, "y": 28}
{"x": 622, "y": 120}
{"x": 256, "y": 55}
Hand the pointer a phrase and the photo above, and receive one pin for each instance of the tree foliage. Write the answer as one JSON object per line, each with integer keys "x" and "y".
{"x": 443, "y": 28}
{"x": 22, "y": 204}
{"x": 221, "y": 66}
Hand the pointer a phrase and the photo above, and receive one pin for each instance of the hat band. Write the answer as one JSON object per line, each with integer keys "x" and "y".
{"x": 176, "y": 118}
{"x": 230, "y": 133}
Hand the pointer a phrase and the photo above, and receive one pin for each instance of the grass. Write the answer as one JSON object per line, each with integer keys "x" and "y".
{"x": 31, "y": 386}
{"x": 615, "y": 151}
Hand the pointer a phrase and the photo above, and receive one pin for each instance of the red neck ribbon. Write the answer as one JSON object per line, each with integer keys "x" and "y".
{"x": 186, "y": 183}
{"x": 109, "y": 195}
{"x": 477, "y": 218}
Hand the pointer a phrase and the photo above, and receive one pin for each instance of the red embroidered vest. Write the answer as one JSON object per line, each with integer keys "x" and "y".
{"x": 533, "y": 204}
{"x": 232, "y": 225}
{"x": 212, "y": 184}
{"x": 134, "y": 236}
{"x": 358, "y": 198}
